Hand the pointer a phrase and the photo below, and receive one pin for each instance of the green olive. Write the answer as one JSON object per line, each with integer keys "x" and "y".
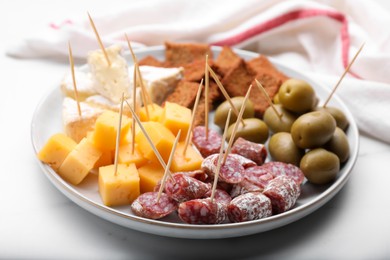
{"x": 297, "y": 95}
{"x": 222, "y": 111}
{"x": 339, "y": 116}
{"x": 255, "y": 130}
{"x": 276, "y": 100}
{"x": 283, "y": 149}
{"x": 320, "y": 166}
{"x": 313, "y": 129}
{"x": 339, "y": 145}
{"x": 277, "y": 124}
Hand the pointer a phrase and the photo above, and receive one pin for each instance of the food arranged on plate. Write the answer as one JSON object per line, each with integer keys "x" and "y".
{"x": 144, "y": 130}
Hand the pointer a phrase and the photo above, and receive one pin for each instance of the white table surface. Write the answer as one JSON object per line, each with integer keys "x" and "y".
{"x": 37, "y": 221}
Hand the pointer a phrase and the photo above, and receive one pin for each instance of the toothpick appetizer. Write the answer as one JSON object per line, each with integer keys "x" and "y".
{"x": 343, "y": 75}
{"x": 206, "y": 94}
{"x": 216, "y": 176}
{"x": 76, "y": 94}
{"x": 261, "y": 88}
{"x": 225, "y": 94}
{"x": 194, "y": 109}
{"x": 118, "y": 137}
{"x": 134, "y": 108}
{"x": 99, "y": 40}
{"x": 231, "y": 140}
{"x": 156, "y": 152}
{"x": 164, "y": 178}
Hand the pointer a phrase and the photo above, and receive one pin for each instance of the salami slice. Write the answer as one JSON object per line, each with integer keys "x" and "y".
{"x": 258, "y": 175}
{"x": 283, "y": 192}
{"x": 197, "y": 174}
{"x": 183, "y": 187}
{"x": 231, "y": 171}
{"x": 245, "y": 162}
{"x": 249, "y": 206}
{"x": 281, "y": 168}
{"x": 243, "y": 187}
{"x": 220, "y": 196}
{"x": 146, "y": 205}
{"x": 202, "y": 211}
{"x": 253, "y": 151}
{"x": 208, "y": 146}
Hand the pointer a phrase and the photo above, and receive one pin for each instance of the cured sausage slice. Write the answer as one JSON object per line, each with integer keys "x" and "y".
{"x": 283, "y": 192}
{"x": 183, "y": 187}
{"x": 249, "y": 206}
{"x": 245, "y": 162}
{"x": 287, "y": 169}
{"x": 146, "y": 205}
{"x": 202, "y": 211}
{"x": 231, "y": 171}
{"x": 243, "y": 187}
{"x": 253, "y": 151}
{"x": 208, "y": 146}
{"x": 220, "y": 196}
{"x": 258, "y": 175}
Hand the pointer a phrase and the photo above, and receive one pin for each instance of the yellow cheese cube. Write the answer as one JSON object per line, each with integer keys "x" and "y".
{"x": 106, "y": 159}
{"x": 121, "y": 188}
{"x": 190, "y": 162}
{"x": 104, "y": 134}
{"x": 125, "y": 155}
{"x": 79, "y": 162}
{"x": 176, "y": 117}
{"x": 56, "y": 149}
{"x": 161, "y": 137}
{"x": 154, "y": 110}
{"x": 150, "y": 174}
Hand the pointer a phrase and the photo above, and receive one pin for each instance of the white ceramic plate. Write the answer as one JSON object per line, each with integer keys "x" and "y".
{"x": 47, "y": 121}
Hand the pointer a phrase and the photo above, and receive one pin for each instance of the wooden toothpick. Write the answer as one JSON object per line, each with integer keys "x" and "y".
{"x": 343, "y": 75}
{"x": 99, "y": 40}
{"x": 188, "y": 136}
{"x": 223, "y": 90}
{"x": 76, "y": 93}
{"x": 261, "y": 88}
{"x": 148, "y": 99}
{"x": 168, "y": 166}
{"x": 134, "y": 107}
{"x": 232, "y": 136}
{"x": 219, "y": 164}
{"x": 206, "y": 95}
{"x": 118, "y": 136}
{"x": 158, "y": 155}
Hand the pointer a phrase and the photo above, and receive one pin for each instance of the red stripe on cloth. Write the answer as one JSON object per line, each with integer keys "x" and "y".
{"x": 58, "y": 26}
{"x": 292, "y": 16}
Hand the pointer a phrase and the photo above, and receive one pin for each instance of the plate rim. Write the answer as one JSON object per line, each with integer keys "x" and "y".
{"x": 200, "y": 231}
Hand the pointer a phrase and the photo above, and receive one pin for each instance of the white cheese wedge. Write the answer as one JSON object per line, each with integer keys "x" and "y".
{"x": 84, "y": 83}
{"x": 75, "y": 126}
{"x": 159, "y": 82}
{"x": 110, "y": 81}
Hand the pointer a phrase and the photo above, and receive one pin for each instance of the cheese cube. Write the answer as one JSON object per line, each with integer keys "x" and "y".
{"x": 106, "y": 159}
{"x": 56, "y": 149}
{"x": 176, "y": 117}
{"x": 161, "y": 137}
{"x": 154, "y": 110}
{"x": 121, "y": 188}
{"x": 150, "y": 174}
{"x": 79, "y": 162}
{"x": 125, "y": 156}
{"x": 190, "y": 162}
{"x": 104, "y": 134}
{"x": 85, "y": 86}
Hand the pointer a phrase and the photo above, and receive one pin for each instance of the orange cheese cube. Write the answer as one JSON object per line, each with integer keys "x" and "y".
{"x": 176, "y": 117}
{"x": 79, "y": 162}
{"x": 190, "y": 162}
{"x": 125, "y": 155}
{"x": 161, "y": 137}
{"x": 106, "y": 159}
{"x": 104, "y": 134}
{"x": 154, "y": 110}
{"x": 56, "y": 149}
{"x": 150, "y": 174}
{"x": 121, "y": 188}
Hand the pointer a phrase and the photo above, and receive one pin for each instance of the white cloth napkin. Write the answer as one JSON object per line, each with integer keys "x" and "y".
{"x": 318, "y": 38}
